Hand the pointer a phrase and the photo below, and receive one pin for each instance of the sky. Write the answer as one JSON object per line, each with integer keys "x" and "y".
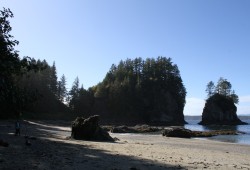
{"x": 207, "y": 39}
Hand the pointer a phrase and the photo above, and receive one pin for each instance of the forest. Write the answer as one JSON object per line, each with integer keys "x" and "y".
{"x": 135, "y": 90}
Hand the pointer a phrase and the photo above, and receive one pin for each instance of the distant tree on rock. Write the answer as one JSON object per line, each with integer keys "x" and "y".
{"x": 223, "y": 88}
{"x": 220, "y": 106}
{"x": 210, "y": 89}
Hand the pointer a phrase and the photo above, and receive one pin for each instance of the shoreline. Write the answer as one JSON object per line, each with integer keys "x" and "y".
{"x": 192, "y": 138}
{"x": 53, "y": 150}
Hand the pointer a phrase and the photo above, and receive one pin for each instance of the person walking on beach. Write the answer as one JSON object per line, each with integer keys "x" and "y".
{"x": 18, "y": 128}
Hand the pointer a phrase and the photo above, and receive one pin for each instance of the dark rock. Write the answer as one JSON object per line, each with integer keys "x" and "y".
{"x": 220, "y": 110}
{"x": 135, "y": 129}
{"x": 4, "y": 144}
{"x": 89, "y": 129}
{"x": 146, "y": 129}
{"x": 177, "y": 132}
{"x": 122, "y": 129}
{"x": 170, "y": 114}
{"x": 107, "y": 128}
{"x": 186, "y": 133}
{"x": 215, "y": 133}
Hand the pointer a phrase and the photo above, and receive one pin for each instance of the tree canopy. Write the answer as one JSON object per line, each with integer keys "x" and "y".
{"x": 25, "y": 84}
{"x": 11, "y": 66}
{"x": 142, "y": 89}
{"x": 223, "y": 88}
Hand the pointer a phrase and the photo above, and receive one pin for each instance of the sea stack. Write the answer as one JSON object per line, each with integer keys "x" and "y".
{"x": 220, "y": 110}
{"x": 89, "y": 129}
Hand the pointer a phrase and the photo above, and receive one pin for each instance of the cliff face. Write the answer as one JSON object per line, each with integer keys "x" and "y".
{"x": 169, "y": 112}
{"x": 220, "y": 110}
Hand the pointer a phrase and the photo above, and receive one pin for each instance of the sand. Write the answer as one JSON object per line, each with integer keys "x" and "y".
{"x": 51, "y": 149}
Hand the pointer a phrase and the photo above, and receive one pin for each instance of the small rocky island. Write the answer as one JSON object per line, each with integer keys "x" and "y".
{"x": 220, "y": 110}
{"x": 220, "y": 106}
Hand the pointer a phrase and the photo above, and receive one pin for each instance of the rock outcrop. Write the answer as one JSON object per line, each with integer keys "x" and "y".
{"x": 220, "y": 110}
{"x": 89, "y": 129}
{"x": 186, "y": 133}
{"x": 134, "y": 129}
{"x": 177, "y": 132}
{"x": 170, "y": 114}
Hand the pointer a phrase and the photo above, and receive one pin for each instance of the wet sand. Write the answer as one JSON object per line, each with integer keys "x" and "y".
{"x": 52, "y": 149}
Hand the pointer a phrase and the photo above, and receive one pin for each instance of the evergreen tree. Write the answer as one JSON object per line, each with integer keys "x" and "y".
{"x": 11, "y": 68}
{"x": 210, "y": 89}
{"x": 62, "y": 91}
{"x": 74, "y": 94}
{"x": 53, "y": 79}
{"x": 234, "y": 97}
{"x": 142, "y": 90}
{"x": 222, "y": 88}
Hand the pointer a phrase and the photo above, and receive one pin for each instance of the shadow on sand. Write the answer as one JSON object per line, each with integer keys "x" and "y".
{"x": 50, "y": 151}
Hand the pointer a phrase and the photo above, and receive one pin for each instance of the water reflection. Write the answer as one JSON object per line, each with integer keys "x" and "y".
{"x": 219, "y": 127}
{"x": 241, "y": 138}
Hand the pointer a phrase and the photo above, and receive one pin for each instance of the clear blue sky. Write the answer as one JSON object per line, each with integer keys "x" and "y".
{"x": 207, "y": 39}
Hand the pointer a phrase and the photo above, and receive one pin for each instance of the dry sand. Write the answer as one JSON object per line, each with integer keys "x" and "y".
{"x": 53, "y": 150}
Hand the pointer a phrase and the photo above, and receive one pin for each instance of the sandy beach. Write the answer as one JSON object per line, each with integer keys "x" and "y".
{"x": 52, "y": 149}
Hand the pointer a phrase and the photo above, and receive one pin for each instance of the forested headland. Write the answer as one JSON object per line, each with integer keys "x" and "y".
{"x": 133, "y": 91}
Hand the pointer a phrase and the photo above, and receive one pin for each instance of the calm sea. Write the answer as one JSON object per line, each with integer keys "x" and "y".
{"x": 241, "y": 139}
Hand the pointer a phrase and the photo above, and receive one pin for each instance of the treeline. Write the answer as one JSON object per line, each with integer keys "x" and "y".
{"x": 223, "y": 88}
{"x": 47, "y": 92}
{"x": 149, "y": 91}
{"x": 26, "y": 85}
{"x": 139, "y": 91}
{"x": 35, "y": 93}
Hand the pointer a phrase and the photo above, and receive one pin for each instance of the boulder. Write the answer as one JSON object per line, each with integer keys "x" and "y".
{"x": 89, "y": 129}
{"x": 220, "y": 110}
{"x": 177, "y": 132}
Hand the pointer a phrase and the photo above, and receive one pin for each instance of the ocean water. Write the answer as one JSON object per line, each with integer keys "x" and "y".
{"x": 240, "y": 139}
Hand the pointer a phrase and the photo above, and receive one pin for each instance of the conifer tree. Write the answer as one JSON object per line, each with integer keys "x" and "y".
{"x": 222, "y": 88}
{"x": 53, "y": 79}
{"x": 210, "y": 89}
{"x": 11, "y": 67}
{"x": 74, "y": 94}
{"x": 62, "y": 91}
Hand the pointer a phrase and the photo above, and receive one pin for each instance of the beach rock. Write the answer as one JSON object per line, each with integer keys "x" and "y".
{"x": 134, "y": 129}
{"x": 186, "y": 133}
{"x": 220, "y": 110}
{"x": 177, "y": 132}
{"x": 122, "y": 129}
{"x": 146, "y": 129}
{"x": 89, "y": 129}
{"x": 107, "y": 128}
{"x": 215, "y": 133}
